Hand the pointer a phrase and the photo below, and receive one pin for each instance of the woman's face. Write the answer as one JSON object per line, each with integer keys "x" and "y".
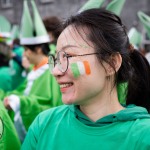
{"x": 88, "y": 85}
{"x": 31, "y": 56}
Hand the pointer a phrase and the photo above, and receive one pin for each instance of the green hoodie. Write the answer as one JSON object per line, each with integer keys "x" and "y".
{"x": 67, "y": 128}
{"x": 39, "y": 92}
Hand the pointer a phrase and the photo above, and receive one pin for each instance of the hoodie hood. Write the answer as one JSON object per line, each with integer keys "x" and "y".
{"x": 131, "y": 112}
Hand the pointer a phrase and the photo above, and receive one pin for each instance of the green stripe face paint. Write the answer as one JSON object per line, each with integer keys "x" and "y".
{"x": 80, "y": 68}
{"x": 75, "y": 70}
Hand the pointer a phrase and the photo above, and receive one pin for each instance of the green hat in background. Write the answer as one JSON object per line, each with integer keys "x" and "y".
{"x": 32, "y": 32}
{"x": 5, "y": 27}
{"x": 116, "y": 6}
{"x": 145, "y": 20}
{"x": 91, "y": 4}
{"x": 14, "y": 34}
{"x": 135, "y": 37}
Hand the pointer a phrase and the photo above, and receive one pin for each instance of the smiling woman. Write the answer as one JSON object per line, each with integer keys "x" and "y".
{"x": 96, "y": 49}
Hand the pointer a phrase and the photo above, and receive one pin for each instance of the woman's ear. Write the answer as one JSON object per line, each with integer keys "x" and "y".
{"x": 114, "y": 64}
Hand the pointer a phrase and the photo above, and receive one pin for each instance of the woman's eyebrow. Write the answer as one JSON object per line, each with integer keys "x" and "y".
{"x": 68, "y": 46}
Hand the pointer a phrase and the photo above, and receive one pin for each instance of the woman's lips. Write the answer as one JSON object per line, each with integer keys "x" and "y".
{"x": 65, "y": 86}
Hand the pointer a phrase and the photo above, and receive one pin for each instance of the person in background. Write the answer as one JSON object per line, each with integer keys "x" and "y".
{"x": 16, "y": 68}
{"x": 40, "y": 90}
{"x": 94, "y": 55}
{"x": 15, "y": 45}
{"x": 51, "y": 24}
{"x": 26, "y": 65}
{"x": 19, "y": 57}
{"x": 8, "y": 135}
{"x": 5, "y": 77}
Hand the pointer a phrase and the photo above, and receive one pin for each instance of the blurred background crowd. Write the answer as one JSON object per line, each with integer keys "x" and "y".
{"x": 63, "y": 8}
{"x": 24, "y": 88}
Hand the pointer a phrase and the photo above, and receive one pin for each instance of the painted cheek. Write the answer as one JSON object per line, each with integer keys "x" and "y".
{"x": 80, "y": 68}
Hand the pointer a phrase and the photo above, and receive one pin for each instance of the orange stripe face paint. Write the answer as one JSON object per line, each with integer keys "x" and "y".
{"x": 80, "y": 68}
{"x": 87, "y": 67}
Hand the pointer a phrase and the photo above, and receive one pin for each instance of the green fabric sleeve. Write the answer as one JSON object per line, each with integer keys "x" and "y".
{"x": 18, "y": 91}
{"x": 9, "y": 138}
{"x": 2, "y": 94}
{"x": 45, "y": 93}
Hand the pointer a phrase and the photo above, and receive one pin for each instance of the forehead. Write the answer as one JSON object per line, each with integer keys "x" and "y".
{"x": 74, "y": 37}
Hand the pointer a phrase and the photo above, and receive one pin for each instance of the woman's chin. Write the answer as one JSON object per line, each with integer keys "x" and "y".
{"x": 68, "y": 101}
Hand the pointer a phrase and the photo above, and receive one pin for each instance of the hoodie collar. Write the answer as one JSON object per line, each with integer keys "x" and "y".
{"x": 131, "y": 112}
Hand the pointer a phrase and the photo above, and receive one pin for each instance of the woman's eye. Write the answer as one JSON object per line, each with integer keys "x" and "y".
{"x": 63, "y": 56}
{"x": 70, "y": 55}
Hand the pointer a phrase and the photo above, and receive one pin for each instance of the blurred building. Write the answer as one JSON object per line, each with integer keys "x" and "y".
{"x": 12, "y": 9}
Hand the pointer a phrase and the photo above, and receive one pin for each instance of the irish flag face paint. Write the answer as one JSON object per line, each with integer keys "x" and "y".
{"x": 80, "y": 68}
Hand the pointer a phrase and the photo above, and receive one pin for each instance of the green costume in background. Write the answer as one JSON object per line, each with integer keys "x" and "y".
{"x": 43, "y": 94}
{"x": 122, "y": 92}
{"x": 5, "y": 79}
{"x": 39, "y": 92}
{"x": 16, "y": 70}
{"x": 8, "y": 137}
{"x": 67, "y": 128}
{"x": 11, "y": 77}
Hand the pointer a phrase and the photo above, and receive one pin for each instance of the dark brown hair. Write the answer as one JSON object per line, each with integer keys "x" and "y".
{"x": 5, "y": 54}
{"x": 109, "y": 36}
{"x": 52, "y": 25}
{"x": 44, "y": 46}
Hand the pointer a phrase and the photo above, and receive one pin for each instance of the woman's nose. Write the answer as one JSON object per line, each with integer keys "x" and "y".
{"x": 56, "y": 71}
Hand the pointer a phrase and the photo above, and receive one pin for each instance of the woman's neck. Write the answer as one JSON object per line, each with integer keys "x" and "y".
{"x": 97, "y": 109}
{"x": 41, "y": 61}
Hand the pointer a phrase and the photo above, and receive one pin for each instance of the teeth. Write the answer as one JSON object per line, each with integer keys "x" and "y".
{"x": 65, "y": 85}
